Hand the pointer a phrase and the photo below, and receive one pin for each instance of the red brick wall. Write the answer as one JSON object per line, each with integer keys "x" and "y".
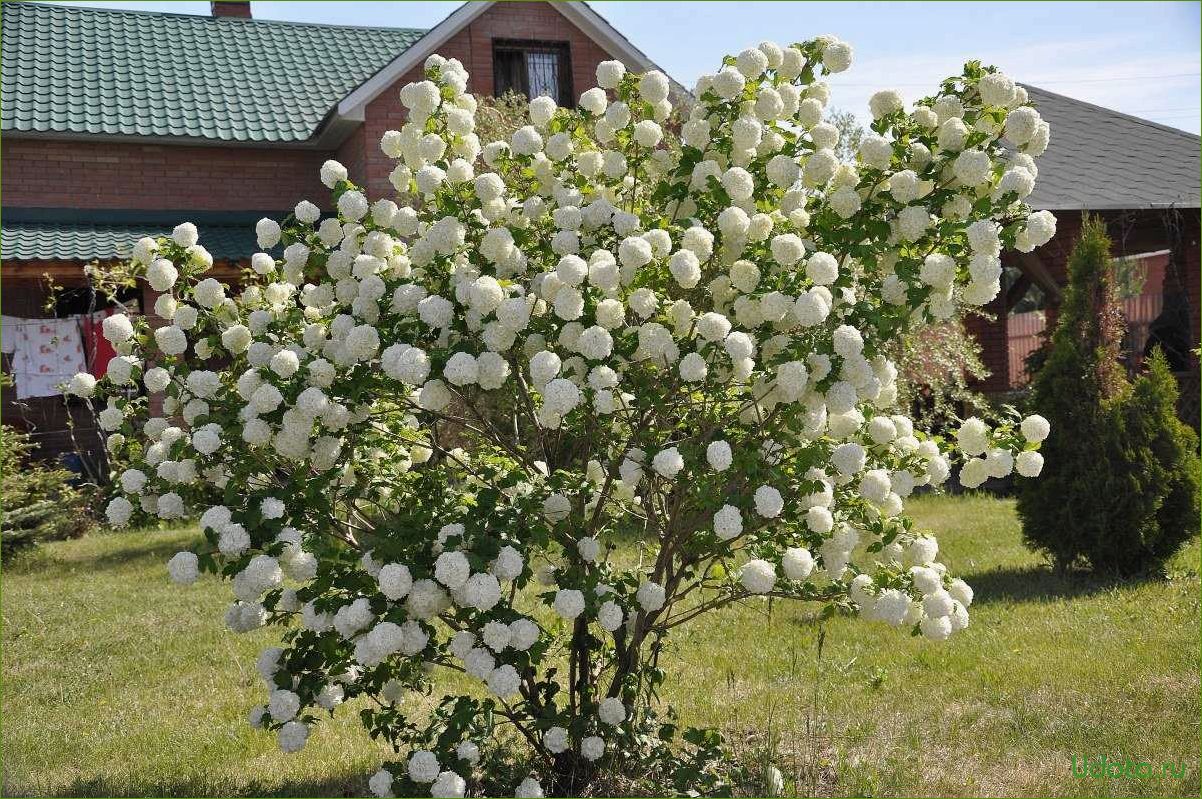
{"x": 473, "y": 46}
{"x": 81, "y": 174}
{"x": 991, "y": 334}
{"x": 53, "y": 173}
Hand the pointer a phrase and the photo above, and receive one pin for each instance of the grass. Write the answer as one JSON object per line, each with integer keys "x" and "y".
{"x": 117, "y": 683}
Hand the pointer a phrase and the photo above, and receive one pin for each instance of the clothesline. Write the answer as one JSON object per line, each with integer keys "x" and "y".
{"x": 48, "y": 352}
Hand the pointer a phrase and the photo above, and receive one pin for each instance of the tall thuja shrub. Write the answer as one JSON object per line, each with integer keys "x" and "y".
{"x": 1068, "y": 509}
{"x": 634, "y": 332}
{"x": 1154, "y": 458}
{"x": 1119, "y": 466}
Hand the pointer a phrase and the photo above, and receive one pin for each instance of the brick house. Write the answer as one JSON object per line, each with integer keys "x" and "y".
{"x": 1142, "y": 179}
{"x": 225, "y": 119}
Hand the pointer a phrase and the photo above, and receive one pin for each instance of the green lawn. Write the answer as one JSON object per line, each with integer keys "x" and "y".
{"x": 117, "y": 683}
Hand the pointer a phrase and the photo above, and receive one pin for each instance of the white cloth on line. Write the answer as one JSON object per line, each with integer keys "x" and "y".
{"x": 10, "y": 327}
{"x": 47, "y": 353}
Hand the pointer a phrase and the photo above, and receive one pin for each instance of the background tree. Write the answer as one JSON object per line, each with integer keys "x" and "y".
{"x": 37, "y": 501}
{"x": 1120, "y": 489}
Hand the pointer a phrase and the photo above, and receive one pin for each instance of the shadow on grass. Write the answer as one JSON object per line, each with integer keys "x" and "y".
{"x": 335, "y": 786}
{"x": 1041, "y": 583}
{"x": 114, "y": 554}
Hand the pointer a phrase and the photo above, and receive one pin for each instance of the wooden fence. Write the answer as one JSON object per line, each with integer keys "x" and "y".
{"x": 1024, "y": 334}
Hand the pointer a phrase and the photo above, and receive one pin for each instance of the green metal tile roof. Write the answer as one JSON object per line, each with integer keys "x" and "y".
{"x": 104, "y": 71}
{"x": 85, "y": 241}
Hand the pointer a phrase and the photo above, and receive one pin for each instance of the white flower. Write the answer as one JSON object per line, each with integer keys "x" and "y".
{"x": 508, "y": 565}
{"x": 974, "y": 472}
{"x": 922, "y": 550}
{"x": 739, "y": 183}
{"x": 797, "y": 563}
{"x": 569, "y": 603}
{"x": 1035, "y": 428}
{"x": 1029, "y": 463}
{"x": 713, "y": 326}
{"x": 504, "y": 681}
{"x": 526, "y": 141}
{"x": 183, "y": 568}
{"x": 973, "y": 436}
{"x": 811, "y": 308}
{"x": 844, "y": 201}
{"x": 787, "y": 249}
{"x": 667, "y": 463}
{"x": 332, "y": 173}
{"x": 292, "y": 736}
{"x": 611, "y": 711}
{"x": 1021, "y": 124}
{"x": 719, "y": 455}
{"x": 594, "y": 101}
{"x": 768, "y": 502}
{"x": 529, "y": 789}
{"x": 541, "y": 110}
{"x": 592, "y": 747}
{"x": 468, "y": 751}
{"x": 757, "y": 576}
{"x": 848, "y": 458}
{"x": 423, "y": 766}
{"x": 589, "y": 548}
{"x": 395, "y": 581}
{"x": 884, "y": 103}
{"x": 961, "y": 592}
{"x": 283, "y": 705}
{"x": 650, "y": 596}
{"x": 610, "y": 74}
{"x": 728, "y": 522}
{"x": 118, "y": 328}
{"x": 452, "y": 569}
{"x": 81, "y": 384}
{"x": 461, "y": 369}
{"x": 822, "y": 268}
{"x": 653, "y": 86}
{"x": 161, "y": 274}
{"x": 685, "y": 268}
{"x": 236, "y": 338}
{"x": 448, "y": 784}
{"x": 647, "y": 133}
{"x": 936, "y": 629}
{"x": 556, "y": 740}
{"x": 380, "y": 784}
{"x": 610, "y": 616}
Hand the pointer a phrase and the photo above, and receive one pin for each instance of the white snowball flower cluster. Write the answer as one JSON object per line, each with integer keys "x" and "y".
{"x": 434, "y": 410}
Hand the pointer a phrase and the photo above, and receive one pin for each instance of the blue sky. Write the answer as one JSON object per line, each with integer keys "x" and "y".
{"x": 1138, "y": 57}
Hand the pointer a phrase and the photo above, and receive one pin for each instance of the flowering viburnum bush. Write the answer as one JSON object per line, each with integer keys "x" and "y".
{"x": 413, "y": 439}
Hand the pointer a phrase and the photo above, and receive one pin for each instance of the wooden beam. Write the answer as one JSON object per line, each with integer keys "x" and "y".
{"x": 1017, "y": 291}
{"x": 1033, "y": 266}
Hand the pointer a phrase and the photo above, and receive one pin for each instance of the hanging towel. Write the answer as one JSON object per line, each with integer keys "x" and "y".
{"x": 10, "y": 328}
{"x": 49, "y": 352}
{"x": 97, "y": 349}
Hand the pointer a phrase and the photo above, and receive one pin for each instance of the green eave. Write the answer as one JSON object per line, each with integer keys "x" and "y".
{"x": 54, "y": 235}
{"x": 79, "y": 71}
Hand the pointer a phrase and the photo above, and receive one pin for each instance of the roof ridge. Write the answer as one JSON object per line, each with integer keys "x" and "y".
{"x": 1113, "y": 112}
{"x": 67, "y": 7}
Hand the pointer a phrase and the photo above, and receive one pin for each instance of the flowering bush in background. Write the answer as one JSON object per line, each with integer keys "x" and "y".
{"x": 433, "y": 419}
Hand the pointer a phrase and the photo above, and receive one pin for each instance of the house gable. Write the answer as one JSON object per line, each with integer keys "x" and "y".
{"x": 470, "y": 37}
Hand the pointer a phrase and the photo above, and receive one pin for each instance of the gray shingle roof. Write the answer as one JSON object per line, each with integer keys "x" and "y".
{"x": 1101, "y": 159}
